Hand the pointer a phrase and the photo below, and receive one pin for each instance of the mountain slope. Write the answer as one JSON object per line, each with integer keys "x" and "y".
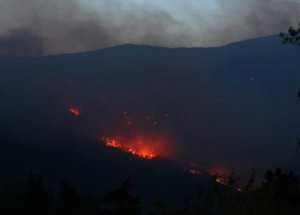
{"x": 234, "y": 106}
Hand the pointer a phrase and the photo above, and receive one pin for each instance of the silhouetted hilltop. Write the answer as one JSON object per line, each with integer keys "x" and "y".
{"x": 234, "y": 105}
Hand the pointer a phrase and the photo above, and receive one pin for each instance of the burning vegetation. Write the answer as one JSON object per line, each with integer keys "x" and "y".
{"x": 142, "y": 147}
{"x": 221, "y": 174}
{"x": 75, "y": 111}
{"x": 142, "y": 136}
{"x": 149, "y": 143}
{"x": 150, "y": 148}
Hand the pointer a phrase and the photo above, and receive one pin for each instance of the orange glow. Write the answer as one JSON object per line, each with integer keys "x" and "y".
{"x": 221, "y": 174}
{"x": 74, "y": 111}
{"x": 152, "y": 143}
{"x": 139, "y": 146}
{"x": 221, "y": 180}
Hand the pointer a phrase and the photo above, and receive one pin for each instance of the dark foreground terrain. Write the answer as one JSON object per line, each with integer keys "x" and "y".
{"x": 279, "y": 193}
{"x": 234, "y": 106}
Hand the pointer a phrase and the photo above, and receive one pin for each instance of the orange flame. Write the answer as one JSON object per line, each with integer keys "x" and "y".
{"x": 139, "y": 147}
{"x": 155, "y": 146}
{"x": 74, "y": 111}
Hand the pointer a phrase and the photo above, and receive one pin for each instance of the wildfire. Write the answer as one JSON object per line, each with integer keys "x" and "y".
{"x": 74, "y": 111}
{"x": 139, "y": 147}
{"x": 221, "y": 174}
{"x": 155, "y": 145}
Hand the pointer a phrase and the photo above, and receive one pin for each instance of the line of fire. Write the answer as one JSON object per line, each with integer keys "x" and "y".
{"x": 153, "y": 146}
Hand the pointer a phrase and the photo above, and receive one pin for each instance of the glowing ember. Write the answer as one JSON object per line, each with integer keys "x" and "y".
{"x": 193, "y": 168}
{"x": 195, "y": 172}
{"x": 149, "y": 145}
{"x": 111, "y": 142}
{"x": 221, "y": 180}
{"x": 221, "y": 174}
{"x": 137, "y": 147}
{"x": 74, "y": 111}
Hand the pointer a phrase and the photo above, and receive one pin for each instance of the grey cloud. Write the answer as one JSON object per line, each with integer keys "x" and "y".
{"x": 21, "y": 42}
{"x": 38, "y": 27}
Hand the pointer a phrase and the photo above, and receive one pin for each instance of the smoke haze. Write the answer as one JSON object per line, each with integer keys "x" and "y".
{"x": 40, "y": 27}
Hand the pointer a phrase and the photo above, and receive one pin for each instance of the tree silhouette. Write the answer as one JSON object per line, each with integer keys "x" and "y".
{"x": 69, "y": 200}
{"x": 250, "y": 184}
{"x": 121, "y": 202}
{"x": 37, "y": 197}
{"x": 292, "y": 36}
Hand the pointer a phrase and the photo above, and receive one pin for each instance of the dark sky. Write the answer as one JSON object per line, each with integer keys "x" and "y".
{"x": 38, "y": 27}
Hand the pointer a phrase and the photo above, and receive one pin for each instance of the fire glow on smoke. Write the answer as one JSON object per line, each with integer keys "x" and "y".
{"x": 142, "y": 147}
{"x": 149, "y": 146}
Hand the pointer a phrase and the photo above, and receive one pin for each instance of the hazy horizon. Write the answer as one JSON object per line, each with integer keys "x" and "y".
{"x": 59, "y": 26}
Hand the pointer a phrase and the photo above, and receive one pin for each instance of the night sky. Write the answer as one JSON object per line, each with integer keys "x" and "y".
{"x": 38, "y": 27}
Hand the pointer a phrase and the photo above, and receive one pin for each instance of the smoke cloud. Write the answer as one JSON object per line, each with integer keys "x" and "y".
{"x": 40, "y": 27}
{"x": 21, "y": 42}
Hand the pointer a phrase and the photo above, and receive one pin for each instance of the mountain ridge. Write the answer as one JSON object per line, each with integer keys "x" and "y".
{"x": 144, "y": 46}
{"x": 234, "y": 106}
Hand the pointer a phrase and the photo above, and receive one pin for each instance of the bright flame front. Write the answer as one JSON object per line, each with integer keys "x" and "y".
{"x": 138, "y": 147}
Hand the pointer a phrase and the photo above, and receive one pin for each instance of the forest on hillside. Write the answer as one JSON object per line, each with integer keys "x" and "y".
{"x": 279, "y": 193}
